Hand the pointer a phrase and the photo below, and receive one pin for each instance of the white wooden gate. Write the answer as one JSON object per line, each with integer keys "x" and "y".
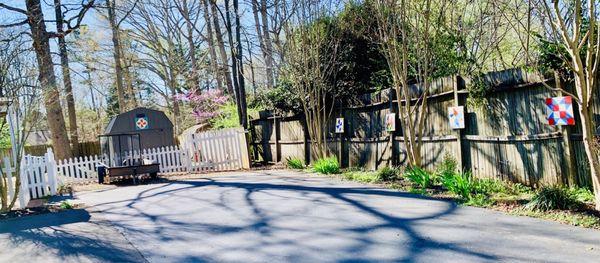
{"x": 220, "y": 150}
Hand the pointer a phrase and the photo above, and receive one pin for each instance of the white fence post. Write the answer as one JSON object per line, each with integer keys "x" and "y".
{"x": 51, "y": 170}
{"x": 24, "y": 193}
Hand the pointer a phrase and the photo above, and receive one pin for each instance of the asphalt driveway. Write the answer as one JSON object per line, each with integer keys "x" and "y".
{"x": 283, "y": 216}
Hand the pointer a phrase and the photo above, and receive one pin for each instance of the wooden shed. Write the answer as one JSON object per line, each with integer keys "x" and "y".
{"x": 153, "y": 126}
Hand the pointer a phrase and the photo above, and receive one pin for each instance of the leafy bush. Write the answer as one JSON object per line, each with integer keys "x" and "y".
{"x": 420, "y": 177}
{"x": 294, "y": 163}
{"x": 448, "y": 166}
{"x": 387, "y": 174}
{"x": 328, "y": 165}
{"x": 553, "y": 198}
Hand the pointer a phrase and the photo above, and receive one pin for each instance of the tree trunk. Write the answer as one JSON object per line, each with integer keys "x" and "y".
{"x": 47, "y": 79}
{"x": 117, "y": 54}
{"x": 268, "y": 52}
{"x": 218, "y": 75}
{"x": 234, "y": 60}
{"x": 240, "y": 68}
{"x": 589, "y": 144}
{"x": 221, "y": 44}
{"x": 66, "y": 74}
{"x": 193, "y": 79}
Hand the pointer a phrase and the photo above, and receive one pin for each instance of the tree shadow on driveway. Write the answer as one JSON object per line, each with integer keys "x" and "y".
{"x": 270, "y": 230}
{"x": 67, "y": 236}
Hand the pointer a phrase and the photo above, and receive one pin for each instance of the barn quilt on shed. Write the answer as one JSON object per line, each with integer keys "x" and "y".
{"x": 560, "y": 111}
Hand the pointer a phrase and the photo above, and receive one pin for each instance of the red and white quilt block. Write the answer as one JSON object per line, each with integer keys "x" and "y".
{"x": 560, "y": 111}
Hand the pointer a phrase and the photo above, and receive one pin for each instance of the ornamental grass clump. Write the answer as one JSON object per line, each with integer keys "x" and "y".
{"x": 327, "y": 165}
{"x": 295, "y": 163}
{"x": 553, "y": 198}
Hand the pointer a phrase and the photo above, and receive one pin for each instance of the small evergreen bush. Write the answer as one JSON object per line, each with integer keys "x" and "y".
{"x": 327, "y": 165}
{"x": 294, "y": 163}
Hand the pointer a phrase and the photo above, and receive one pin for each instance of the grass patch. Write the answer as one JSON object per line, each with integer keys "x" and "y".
{"x": 328, "y": 165}
{"x": 294, "y": 163}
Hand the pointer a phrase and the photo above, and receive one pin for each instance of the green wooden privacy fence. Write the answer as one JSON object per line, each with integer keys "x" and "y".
{"x": 508, "y": 137}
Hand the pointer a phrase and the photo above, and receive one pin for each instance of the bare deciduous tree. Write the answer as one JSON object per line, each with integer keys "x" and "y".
{"x": 574, "y": 26}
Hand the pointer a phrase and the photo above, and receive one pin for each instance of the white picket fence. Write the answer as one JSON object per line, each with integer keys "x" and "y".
{"x": 221, "y": 150}
{"x": 78, "y": 170}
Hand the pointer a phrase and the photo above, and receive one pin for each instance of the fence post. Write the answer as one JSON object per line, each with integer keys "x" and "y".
{"x": 393, "y": 150}
{"x": 24, "y": 192}
{"x": 569, "y": 152}
{"x": 459, "y": 132}
{"x": 276, "y": 123}
{"x": 307, "y": 144}
{"x": 8, "y": 171}
{"x": 244, "y": 146}
{"x": 52, "y": 171}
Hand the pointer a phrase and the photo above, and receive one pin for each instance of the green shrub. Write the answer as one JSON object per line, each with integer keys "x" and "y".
{"x": 294, "y": 163}
{"x": 553, "y": 198}
{"x": 328, "y": 165}
{"x": 420, "y": 178}
{"x": 448, "y": 166}
{"x": 388, "y": 174}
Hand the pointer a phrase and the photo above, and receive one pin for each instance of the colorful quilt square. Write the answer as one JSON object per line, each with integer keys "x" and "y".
{"x": 456, "y": 116}
{"x": 339, "y": 125}
{"x": 560, "y": 111}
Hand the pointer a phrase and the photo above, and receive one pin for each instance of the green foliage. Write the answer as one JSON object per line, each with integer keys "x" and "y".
{"x": 388, "y": 174}
{"x": 553, "y": 198}
{"x": 328, "y": 165}
{"x": 279, "y": 99}
{"x": 582, "y": 195}
{"x": 420, "y": 178}
{"x": 4, "y": 135}
{"x": 478, "y": 90}
{"x": 228, "y": 117}
{"x": 65, "y": 205}
{"x": 294, "y": 163}
{"x": 448, "y": 166}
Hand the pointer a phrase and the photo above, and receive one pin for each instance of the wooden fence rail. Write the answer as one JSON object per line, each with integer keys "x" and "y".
{"x": 506, "y": 138}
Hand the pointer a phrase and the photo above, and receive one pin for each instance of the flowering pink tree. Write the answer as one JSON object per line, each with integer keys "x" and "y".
{"x": 205, "y": 105}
